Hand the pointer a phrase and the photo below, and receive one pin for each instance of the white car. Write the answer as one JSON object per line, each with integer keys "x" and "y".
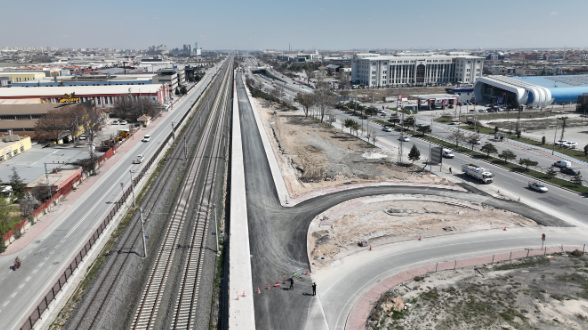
{"x": 138, "y": 160}
{"x": 115, "y": 122}
{"x": 571, "y": 145}
{"x": 540, "y": 187}
{"x": 562, "y": 163}
{"x": 387, "y": 129}
{"x": 405, "y": 139}
{"x": 146, "y": 138}
{"x": 124, "y": 122}
{"x": 561, "y": 142}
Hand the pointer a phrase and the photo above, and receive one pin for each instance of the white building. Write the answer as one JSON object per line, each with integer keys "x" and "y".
{"x": 374, "y": 70}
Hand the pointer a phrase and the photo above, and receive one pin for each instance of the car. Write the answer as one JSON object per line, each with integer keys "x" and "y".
{"x": 570, "y": 170}
{"x": 421, "y": 125}
{"x": 146, "y": 138}
{"x": 481, "y": 110}
{"x": 455, "y": 122}
{"x": 115, "y": 122}
{"x": 82, "y": 137}
{"x": 538, "y": 186}
{"x": 138, "y": 159}
{"x": 570, "y": 145}
{"x": 561, "y": 142}
{"x": 562, "y": 163}
{"x": 478, "y": 141}
{"x": 383, "y": 114}
{"x": 387, "y": 129}
{"x": 405, "y": 139}
{"x": 124, "y": 122}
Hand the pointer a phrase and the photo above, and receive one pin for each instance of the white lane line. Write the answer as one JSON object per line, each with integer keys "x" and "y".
{"x": 13, "y": 294}
{"x": 35, "y": 271}
{"x": 47, "y": 258}
{"x": 41, "y": 264}
{"x": 6, "y": 303}
{"x": 28, "y": 278}
{"x": 52, "y": 252}
{"x": 20, "y": 286}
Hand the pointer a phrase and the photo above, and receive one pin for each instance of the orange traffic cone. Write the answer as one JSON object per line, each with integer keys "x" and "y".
{"x": 499, "y": 191}
{"x": 243, "y": 293}
{"x": 237, "y": 296}
{"x": 307, "y": 271}
{"x": 258, "y": 290}
{"x": 370, "y": 247}
{"x": 284, "y": 279}
{"x": 519, "y": 199}
{"x": 419, "y": 238}
{"x": 268, "y": 286}
{"x": 504, "y": 228}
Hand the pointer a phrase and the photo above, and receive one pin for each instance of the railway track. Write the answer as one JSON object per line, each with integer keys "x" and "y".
{"x": 206, "y": 160}
{"x": 129, "y": 249}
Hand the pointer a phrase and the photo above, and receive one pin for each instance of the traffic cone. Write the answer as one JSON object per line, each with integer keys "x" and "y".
{"x": 419, "y": 238}
{"x": 258, "y": 291}
{"x": 499, "y": 191}
{"x": 370, "y": 247}
{"x": 243, "y": 293}
{"x": 268, "y": 286}
{"x": 237, "y": 296}
{"x": 307, "y": 271}
{"x": 504, "y": 228}
{"x": 519, "y": 199}
{"x": 284, "y": 279}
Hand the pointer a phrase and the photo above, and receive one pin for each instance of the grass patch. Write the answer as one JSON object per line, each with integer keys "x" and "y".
{"x": 540, "y": 261}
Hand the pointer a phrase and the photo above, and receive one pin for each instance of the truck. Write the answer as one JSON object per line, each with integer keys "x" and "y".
{"x": 447, "y": 153}
{"x": 477, "y": 172}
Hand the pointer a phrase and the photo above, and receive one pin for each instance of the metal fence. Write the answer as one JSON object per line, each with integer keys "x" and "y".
{"x": 50, "y": 296}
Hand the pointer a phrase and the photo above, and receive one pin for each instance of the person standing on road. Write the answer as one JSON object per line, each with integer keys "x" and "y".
{"x": 314, "y": 288}
{"x": 450, "y": 171}
{"x": 291, "y": 283}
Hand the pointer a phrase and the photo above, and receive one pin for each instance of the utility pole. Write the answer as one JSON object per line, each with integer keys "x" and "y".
{"x": 185, "y": 148}
{"x": 132, "y": 188}
{"x": 143, "y": 232}
{"x": 215, "y": 227}
{"x": 554, "y": 137}
{"x": 399, "y": 106}
{"x": 519, "y": 118}
{"x": 173, "y": 131}
{"x": 563, "y": 127}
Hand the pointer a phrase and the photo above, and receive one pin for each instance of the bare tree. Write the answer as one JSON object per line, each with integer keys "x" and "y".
{"x": 51, "y": 126}
{"x": 131, "y": 107}
{"x": 306, "y": 101}
{"x": 324, "y": 99}
{"x": 73, "y": 119}
{"x": 457, "y": 137}
{"x": 93, "y": 121}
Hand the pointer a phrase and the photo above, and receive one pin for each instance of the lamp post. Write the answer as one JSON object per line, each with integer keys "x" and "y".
{"x": 215, "y": 227}
{"x": 132, "y": 188}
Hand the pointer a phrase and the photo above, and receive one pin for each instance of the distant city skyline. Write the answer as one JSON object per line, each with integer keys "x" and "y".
{"x": 321, "y": 24}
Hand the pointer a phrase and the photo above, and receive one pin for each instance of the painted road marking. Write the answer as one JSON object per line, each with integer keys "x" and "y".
{"x": 6, "y": 303}
{"x": 41, "y": 264}
{"x": 47, "y": 258}
{"x": 35, "y": 271}
{"x": 13, "y": 294}
{"x": 28, "y": 278}
{"x": 20, "y": 286}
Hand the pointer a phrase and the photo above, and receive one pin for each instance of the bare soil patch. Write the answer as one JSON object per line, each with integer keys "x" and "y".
{"x": 533, "y": 293}
{"x": 378, "y": 220}
{"x": 315, "y": 155}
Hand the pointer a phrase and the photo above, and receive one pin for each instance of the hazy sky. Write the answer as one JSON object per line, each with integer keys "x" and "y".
{"x": 323, "y": 24}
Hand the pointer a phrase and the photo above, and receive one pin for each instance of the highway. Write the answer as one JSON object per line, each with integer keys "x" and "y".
{"x": 44, "y": 260}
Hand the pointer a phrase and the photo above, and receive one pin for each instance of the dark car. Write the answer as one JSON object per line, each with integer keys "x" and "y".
{"x": 570, "y": 170}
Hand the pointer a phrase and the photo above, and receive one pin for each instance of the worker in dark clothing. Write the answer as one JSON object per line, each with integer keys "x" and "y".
{"x": 450, "y": 171}
{"x": 314, "y": 288}
{"x": 291, "y": 283}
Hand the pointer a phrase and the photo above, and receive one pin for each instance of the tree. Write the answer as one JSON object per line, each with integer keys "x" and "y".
{"x": 507, "y": 155}
{"x": 324, "y": 99}
{"x": 408, "y": 122}
{"x": 306, "y": 101}
{"x": 93, "y": 122}
{"x": 424, "y": 130}
{"x": 28, "y": 204}
{"x": 350, "y": 123}
{"x": 518, "y": 134}
{"x": 177, "y": 91}
{"x": 488, "y": 148}
{"x": 184, "y": 90}
{"x": 18, "y": 186}
{"x": 457, "y": 137}
{"x": 551, "y": 172}
{"x": 131, "y": 108}
{"x": 577, "y": 179}
{"x": 73, "y": 118}
{"x": 51, "y": 126}
{"x": 495, "y": 129}
{"x": 586, "y": 150}
{"x": 394, "y": 119}
{"x": 526, "y": 162}
{"x": 371, "y": 111}
{"x": 414, "y": 154}
{"x": 543, "y": 140}
{"x": 473, "y": 140}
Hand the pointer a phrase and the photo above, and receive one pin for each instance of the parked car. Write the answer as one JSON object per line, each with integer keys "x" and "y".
{"x": 540, "y": 187}
{"x": 124, "y": 122}
{"x": 138, "y": 159}
{"x": 146, "y": 138}
{"x": 562, "y": 163}
{"x": 115, "y": 122}
{"x": 561, "y": 142}
{"x": 421, "y": 125}
{"x": 571, "y": 145}
{"x": 387, "y": 129}
{"x": 405, "y": 139}
{"x": 570, "y": 170}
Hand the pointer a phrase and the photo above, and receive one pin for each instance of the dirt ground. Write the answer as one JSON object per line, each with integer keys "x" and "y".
{"x": 387, "y": 219}
{"x": 312, "y": 155}
{"x": 534, "y": 293}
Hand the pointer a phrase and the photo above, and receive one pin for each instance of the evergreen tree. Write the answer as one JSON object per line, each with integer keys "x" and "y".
{"x": 577, "y": 179}
{"x": 551, "y": 172}
{"x": 18, "y": 186}
{"x": 414, "y": 154}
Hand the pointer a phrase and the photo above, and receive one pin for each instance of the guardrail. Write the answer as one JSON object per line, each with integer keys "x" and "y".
{"x": 50, "y": 296}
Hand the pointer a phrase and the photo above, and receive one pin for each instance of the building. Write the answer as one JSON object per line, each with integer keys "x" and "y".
{"x": 13, "y": 145}
{"x": 23, "y": 76}
{"x": 374, "y": 70}
{"x": 103, "y": 96}
{"x": 90, "y": 80}
{"x": 197, "y": 50}
{"x": 21, "y": 118}
{"x": 187, "y": 48}
{"x": 5, "y": 82}
{"x": 171, "y": 77}
{"x": 539, "y": 91}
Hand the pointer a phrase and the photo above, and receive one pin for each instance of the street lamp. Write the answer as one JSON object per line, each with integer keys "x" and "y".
{"x": 132, "y": 188}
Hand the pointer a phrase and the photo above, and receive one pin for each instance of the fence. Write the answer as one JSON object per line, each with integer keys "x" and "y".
{"x": 50, "y": 296}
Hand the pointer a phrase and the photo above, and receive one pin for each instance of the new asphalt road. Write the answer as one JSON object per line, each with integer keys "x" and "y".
{"x": 44, "y": 260}
{"x": 278, "y": 235}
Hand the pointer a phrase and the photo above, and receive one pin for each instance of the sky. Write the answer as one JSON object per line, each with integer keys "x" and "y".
{"x": 304, "y": 24}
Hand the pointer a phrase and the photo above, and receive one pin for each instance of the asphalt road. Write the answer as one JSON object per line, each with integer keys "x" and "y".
{"x": 570, "y": 206}
{"x": 44, "y": 260}
{"x": 278, "y": 235}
